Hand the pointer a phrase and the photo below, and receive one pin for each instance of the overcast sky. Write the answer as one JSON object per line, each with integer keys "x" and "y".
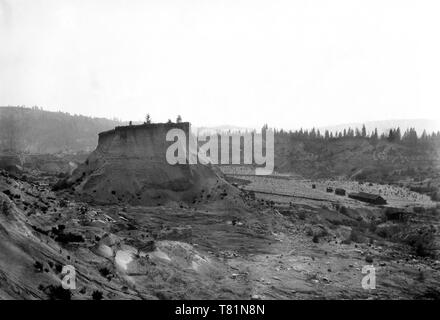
{"x": 240, "y": 62}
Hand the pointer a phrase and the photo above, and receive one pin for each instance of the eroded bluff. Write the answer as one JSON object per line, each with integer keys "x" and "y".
{"x": 129, "y": 165}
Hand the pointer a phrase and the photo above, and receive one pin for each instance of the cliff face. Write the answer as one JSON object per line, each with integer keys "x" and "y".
{"x": 129, "y": 165}
{"x": 146, "y": 141}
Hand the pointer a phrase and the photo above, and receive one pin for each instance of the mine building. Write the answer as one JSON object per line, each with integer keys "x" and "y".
{"x": 397, "y": 214}
{"x": 368, "y": 197}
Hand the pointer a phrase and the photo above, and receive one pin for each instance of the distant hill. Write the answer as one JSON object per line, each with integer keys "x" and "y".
{"x": 37, "y": 131}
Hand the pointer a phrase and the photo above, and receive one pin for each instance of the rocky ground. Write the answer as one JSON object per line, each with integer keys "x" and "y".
{"x": 260, "y": 246}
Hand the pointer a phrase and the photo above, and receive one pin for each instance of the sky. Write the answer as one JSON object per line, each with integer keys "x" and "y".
{"x": 287, "y": 63}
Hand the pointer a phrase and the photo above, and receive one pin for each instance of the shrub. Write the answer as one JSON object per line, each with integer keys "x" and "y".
{"x": 354, "y": 236}
{"x": 6, "y": 208}
{"x": 58, "y": 293}
{"x": 69, "y": 237}
{"x": 105, "y": 272}
{"x": 301, "y": 215}
{"x": 435, "y": 196}
{"x": 61, "y": 184}
{"x": 390, "y": 231}
{"x": 372, "y": 227}
{"x": 97, "y": 295}
{"x": 38, "y": 266}
{"x": 422, "y": 241}
{"x": 421, "y": 276}
{"x": 58, "y": 268}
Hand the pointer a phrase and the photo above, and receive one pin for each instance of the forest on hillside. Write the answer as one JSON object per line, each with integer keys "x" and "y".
{"x": 34, "y": 130}
{"x": 408, "y": 137}
{"x": 390, "y": 157}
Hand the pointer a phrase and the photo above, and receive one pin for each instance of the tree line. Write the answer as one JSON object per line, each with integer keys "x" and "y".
{"x": 395, "y": 135}
{"x": 37, "y": 131}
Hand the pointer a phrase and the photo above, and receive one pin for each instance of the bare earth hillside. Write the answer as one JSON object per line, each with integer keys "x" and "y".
{"x": 266, "y": 248}
{"x": 134, "y": 227}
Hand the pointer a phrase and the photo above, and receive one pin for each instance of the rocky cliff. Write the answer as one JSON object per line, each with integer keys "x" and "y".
{"x": 129, "y": 165}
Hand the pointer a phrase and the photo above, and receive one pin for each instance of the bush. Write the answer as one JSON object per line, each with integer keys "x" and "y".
{"x": 38, "y": 266}
{"x": 105, "y": 272}
{"x": 421, "y": 276}
{"x": 389, "y": 231}
{"x": 435, "y": 196}
{"x": 69, "y": 237}
{"x": 58, "y": 293}
{"x": 6, "y": 208}
{"x": 63, "y": 203}
{"x": 422, "y": 241}
{"x": 61, "y": 184}
{"x": 372, "y": 227}
{"x": 301, "y": 215}
{"x": 354, "y": 236}
{"x": 97, "y": 295}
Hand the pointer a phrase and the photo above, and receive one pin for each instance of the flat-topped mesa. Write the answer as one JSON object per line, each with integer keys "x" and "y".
{"x": 130, "y": 165}
{"x": 148, "y": 140}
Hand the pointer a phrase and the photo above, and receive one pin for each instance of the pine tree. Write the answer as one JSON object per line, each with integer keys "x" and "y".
{"x": 398, "y": 135}
{"x": 364, "y": 131}
{"x": 374, "y": 135}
